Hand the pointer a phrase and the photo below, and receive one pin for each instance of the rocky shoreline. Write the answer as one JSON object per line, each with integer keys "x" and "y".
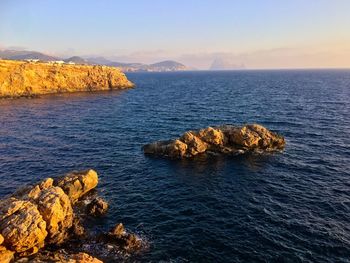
{"x": 29, "y": 79}
{"x": 226, "y": 139}
{"x": 46, "y": 223}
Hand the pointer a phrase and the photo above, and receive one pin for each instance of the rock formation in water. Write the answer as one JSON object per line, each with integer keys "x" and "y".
{"x": 44, "y": 222}
{"x": 97, "y": 207}
{"x": 226, "y": 139}
{"x": 21, "y": 78}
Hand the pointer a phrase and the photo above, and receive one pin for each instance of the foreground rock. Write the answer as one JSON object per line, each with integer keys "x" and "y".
{"x": 76, "y": 184}
{"x": 22, "y": 226}
{"x": 20, "y": 78}
{"x": 45, "y": 223}
{"x": 226, "y": 139}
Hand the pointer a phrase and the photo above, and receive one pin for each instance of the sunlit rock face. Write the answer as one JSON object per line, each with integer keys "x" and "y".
{"x": 45, "y": 223}
{"x": 76, "y": 184}
{"x": 42, "y": 214}
{"x": 21, "y": 78}
{"x": 22, "y": 226}
{"x": 226, "y": 139}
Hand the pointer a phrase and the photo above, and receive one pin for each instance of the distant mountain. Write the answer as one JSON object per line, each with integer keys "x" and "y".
{"x": 21, "y": 55}
{"x": 76, "y": 60}
{"x": 156, "y": 67}
{"x": 167, "y": 65}
{"x": 121, "y": 64}
{"x": 225, "y": 64}
{"x": 99, "y": 60}
{"x": 162, "y": 66}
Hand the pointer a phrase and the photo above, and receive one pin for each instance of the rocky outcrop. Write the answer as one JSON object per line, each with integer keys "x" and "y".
{"x": 76, "y": 184}
{"x": 54, "y": 206}
{"x": 21, "y": 78}
{"x": 226, "y": 139}
{"x": 22, "y": 226}
{"x": 126, "y": 240}
{"x": 42, "y": 213}
{"x": 38, "y": 219}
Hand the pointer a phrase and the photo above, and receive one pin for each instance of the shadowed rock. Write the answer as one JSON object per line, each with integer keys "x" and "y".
{"x": 62, "y": 256}
{"x": 6, "y": 256}
{"x": 97, "y": 207}
{"x": 124, "y": 239}
{"x": 226, "y": 139}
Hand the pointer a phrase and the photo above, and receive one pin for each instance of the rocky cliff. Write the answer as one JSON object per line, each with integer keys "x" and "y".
{"x": 20, "y": 78}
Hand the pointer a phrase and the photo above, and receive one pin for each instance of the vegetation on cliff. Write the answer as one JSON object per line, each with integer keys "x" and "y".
{"x": 21, "y": 78}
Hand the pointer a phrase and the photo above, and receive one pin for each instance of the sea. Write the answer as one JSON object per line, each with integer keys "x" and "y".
{"x": 290, "y": 206}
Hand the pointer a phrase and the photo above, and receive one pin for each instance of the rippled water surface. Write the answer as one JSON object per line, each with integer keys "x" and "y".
{"x": 289, "y": 207}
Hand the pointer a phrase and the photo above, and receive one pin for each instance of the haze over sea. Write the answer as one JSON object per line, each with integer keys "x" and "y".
{"x": 284, "y": 207}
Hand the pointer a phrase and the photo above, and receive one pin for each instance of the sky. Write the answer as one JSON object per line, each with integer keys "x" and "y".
{"x": 255, "y": 33}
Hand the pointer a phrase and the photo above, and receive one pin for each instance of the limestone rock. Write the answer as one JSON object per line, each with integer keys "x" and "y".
{"x": 6, "y": 256}
{"x": 226, "y": 139}
{"x": 194, "y": 144}
{"x": 256, "y": 136}
{"x": 212, "y": 136}
{"x": 77, "y": 229}
{"x": 173, "y": 149}
{"x": 56, "y": 209}
{"x": 176, "y": 148}
{"x": 20, "y": 78}
{"x": 76, "y": 184}
{"x": 54, "y": 206}
{"x": 97, "y": 207}
{"x": 22, "y": 226}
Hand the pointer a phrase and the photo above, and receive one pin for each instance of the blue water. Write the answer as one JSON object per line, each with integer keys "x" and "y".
{"x": 288, "y": 207}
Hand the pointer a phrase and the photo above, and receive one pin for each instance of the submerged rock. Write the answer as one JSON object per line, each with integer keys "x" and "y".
{"x": 226, "y": 139}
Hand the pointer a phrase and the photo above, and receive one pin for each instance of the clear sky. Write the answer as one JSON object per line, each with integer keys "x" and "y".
{"x": 257, "y": 33}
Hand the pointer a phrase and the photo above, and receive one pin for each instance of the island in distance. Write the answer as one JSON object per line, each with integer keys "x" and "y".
{"x": 163, "y": 66}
